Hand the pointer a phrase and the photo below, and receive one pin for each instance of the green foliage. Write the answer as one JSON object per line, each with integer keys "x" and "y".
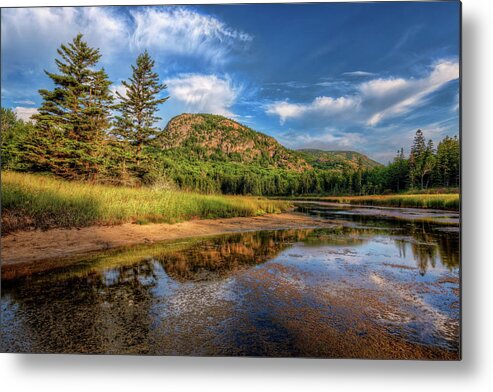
{"x": 14, "y": 133}
{"x": 71, "y": 123}
{"x": 337, "y": 160}
{"x": 447, "y": 163}
{"x": 139, "y": 105}
{"x": 44, "y": 202}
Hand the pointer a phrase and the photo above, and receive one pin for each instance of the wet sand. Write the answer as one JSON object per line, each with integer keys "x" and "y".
{"x": 28, "y": 252}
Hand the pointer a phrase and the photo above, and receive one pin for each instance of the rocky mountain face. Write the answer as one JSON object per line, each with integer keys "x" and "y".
{"x": 216, "y": 138}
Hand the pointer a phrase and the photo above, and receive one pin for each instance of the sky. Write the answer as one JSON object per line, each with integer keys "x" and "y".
{"x": 335, "y": 76}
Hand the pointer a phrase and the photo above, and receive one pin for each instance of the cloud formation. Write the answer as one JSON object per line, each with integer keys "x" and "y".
{"x": 24, "y": 113}
{"x": 199, "y": 93}
{"x": 324, "y": 106}
{"x": 37, "y": 32}
{"x": 329, "y": 139}
{"x": 374, "y": 100}
{"x": 184, "y": 32}
{"x": 359, "y": 73}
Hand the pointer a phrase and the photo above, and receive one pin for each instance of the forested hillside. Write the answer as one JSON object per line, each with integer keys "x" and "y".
{"x": 338, "y": 160}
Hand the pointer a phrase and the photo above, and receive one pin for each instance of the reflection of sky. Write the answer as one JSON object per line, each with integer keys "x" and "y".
{"x": 354, "y": 76}
{"x": 421, "y": 263}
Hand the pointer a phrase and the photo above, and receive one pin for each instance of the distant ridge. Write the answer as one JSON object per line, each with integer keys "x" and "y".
{"x": 337, "y": 160}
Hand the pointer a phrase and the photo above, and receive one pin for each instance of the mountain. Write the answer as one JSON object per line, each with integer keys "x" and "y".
{"x": 337, "y": 160}
{"x": 216, "y": 138}
{"x": 207, "y": 139}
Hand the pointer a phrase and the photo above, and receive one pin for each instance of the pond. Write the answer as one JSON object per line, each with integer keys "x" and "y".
{"x": 366, "y": 286}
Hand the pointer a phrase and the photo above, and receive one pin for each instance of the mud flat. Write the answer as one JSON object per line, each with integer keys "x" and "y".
{"x": 34, "y": 251}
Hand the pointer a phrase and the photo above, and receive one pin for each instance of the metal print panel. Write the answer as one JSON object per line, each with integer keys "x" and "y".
{"x": 266, "y": 180}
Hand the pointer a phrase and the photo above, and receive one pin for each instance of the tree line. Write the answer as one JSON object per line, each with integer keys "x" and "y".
{"x": 81, "y": 132}
{"x": 424, "y": 168}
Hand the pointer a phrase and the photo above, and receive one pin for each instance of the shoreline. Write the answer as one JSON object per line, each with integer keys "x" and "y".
{"x": 33, "y": 251}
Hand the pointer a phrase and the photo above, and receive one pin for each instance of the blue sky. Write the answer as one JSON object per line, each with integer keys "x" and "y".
{"x": 354, "y": 76}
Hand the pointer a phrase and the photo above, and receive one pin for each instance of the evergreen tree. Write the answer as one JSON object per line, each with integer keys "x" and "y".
{"x": 428, "y": 164}
{"x": 416, "y": 158}
{"x": 74, "y": 116}
{"x": 447, "y": 168}
{"x": 138, "y": 106}
{"x": 14, "y": 132}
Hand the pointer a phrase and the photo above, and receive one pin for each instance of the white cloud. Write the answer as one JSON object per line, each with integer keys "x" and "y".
{"x": 25, "y": 113}
{"x": 37, "y": 32}
{"x": 325, "y": 106}
{"x": 181, "y": 31}
{"x": 396, "y": 96}
{"x": 374, "y": 100}
{"x": 456, "y": 106}
{"x": 120, "y": 88}
{"x": 204, "y": 93}
{"x": 330, "y": 139}
{"x": 25, "y": 102}
{"x": 359, "y": 73}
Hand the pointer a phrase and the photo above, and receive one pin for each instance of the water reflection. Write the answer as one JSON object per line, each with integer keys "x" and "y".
{"x": 356, "y": 290}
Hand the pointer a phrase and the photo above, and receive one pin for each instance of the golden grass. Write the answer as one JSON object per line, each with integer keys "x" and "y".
{"x": 437, "y": 201}
{"x": 30, "y": 200}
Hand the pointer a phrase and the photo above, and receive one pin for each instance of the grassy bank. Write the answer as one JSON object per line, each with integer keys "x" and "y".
{"x": 34, "y": 201}
{"x": 437, "y": 201}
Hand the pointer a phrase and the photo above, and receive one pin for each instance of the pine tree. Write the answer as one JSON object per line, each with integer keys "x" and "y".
{"x": 428, "y": 164}
{"x": 138, "y": 106}
{"x": 74, "y": 116}
{"x": 416, "y": 158}
{"x": 447, "y": 168}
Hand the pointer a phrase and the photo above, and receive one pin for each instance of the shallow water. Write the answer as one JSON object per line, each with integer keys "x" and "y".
{"x": 364, "y": 287}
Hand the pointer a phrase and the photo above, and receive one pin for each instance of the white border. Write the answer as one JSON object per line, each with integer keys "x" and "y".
{"x": 119, "y": 374}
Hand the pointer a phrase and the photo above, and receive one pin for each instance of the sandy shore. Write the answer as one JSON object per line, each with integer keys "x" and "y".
{"x": 34, "y": 251}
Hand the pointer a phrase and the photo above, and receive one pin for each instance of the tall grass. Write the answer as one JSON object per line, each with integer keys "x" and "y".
{"x": 37, "y": 201}
{"x": 437, "y": 201}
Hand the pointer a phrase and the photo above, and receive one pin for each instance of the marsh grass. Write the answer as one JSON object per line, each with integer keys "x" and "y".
{"x": 436, "y": 201}
{"x": 36, "y": 201}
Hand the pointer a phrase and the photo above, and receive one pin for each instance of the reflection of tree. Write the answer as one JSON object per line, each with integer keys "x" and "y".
{"x": 425, "y": 255}
{"x": 85, "y": 314}
{"x": 430, "y": 244}
{"x": 223, "y": 256}
{"x": 338, "y": 236}
{"x": 449, "y": 246}
{"x": 401, "y": 245}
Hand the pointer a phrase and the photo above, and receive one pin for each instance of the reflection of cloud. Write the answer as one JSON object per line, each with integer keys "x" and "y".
{"x": 204, "y": 93}
{"x": 374, "y": 100}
